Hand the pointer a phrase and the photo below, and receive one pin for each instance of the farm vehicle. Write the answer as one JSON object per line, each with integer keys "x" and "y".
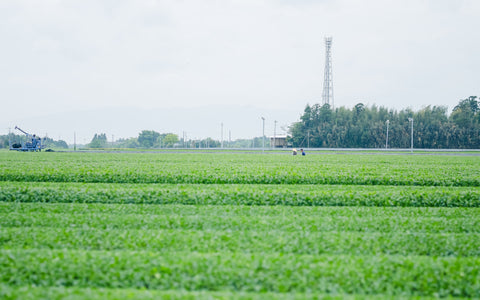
{"x": 31, "y": 143}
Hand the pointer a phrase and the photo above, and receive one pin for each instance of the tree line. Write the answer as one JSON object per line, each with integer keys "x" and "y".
{"x": 150, "y": 139}
{"x": 15, "y": 138}
{"x": 321, "y": 126}
{"x": 366, "y": 127}
{"x": 145, "y": 139}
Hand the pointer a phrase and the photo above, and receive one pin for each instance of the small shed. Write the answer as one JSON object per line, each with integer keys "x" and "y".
{"x": 279, "y": 141}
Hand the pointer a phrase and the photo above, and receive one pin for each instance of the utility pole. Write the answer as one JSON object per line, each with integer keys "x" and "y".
{"x": 263, "y": 135}
{"x": 386, "y": 143}
{"x": 221, "y": 125}
{"x": 229, "y": 138}
{"x": 275, "y": 134}
{"x": 10, "y": 138}
{"x": 411, "y": 135}
{"x": 74, "y": 141}
{"x": 308, "y": 139}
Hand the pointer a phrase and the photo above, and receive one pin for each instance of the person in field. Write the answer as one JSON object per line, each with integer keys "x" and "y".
{"x": 294, "y": 152}
{"x": 303, "y": 152}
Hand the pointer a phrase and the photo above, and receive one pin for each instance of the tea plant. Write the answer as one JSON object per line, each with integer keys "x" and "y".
{"x": 238, "y": 226}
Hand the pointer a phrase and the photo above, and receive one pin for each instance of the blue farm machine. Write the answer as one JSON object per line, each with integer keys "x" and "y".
{"x": 32, "y": 143}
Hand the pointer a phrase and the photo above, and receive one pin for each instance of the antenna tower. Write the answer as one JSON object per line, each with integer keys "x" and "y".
{"x": 327, "y": 95}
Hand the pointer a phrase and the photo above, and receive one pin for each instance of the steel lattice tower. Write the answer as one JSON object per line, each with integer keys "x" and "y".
{"x": 327, "y": 95}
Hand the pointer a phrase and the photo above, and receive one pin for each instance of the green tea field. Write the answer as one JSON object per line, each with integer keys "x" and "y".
{"x": 239, "y": 226}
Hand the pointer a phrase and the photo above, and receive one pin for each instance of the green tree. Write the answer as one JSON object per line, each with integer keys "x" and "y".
{"x": 464, "y": 114}
{"x": 128, "y": 143}
{"x": 365, "y": 127}
{"x": 170, "y": 140}
{"x": 148, "y": 138}
{"x": 51, "y": 143}
{"x": 98, "y": 141}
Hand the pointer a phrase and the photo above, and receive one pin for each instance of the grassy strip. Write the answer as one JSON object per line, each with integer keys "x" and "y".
{"x": 292, "y": 195}
{"x": 344, "y": 274}
{"x": 300, "y": 242}
{"x": 73, "y": 293}
{"x": 241, "y": 169}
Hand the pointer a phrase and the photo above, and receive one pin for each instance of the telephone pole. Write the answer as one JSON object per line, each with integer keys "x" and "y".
{"x": 386, "y": 143}
{"x": 411, "y": 135}
{"x": 221, "y": 125}
{"x": 263, "y": 135}
{"x": 10, "y": 138}
{"x": 275, "y": 134}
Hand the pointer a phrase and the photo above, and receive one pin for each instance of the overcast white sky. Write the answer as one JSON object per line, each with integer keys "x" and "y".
{"x": 66, "y": 60}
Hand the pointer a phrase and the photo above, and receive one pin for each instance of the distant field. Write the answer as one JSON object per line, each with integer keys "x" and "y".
{"x": 238, "y": 226}
{"x": 219, "y": 168}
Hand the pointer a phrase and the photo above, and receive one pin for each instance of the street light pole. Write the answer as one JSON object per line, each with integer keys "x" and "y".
{"x": 411, "y": 135}
{"x": 263, "y": 135}
{"x": 9, "y": 138}
{"x": 222, "y": 134}
{"x": 275, "y": 134}
{"x": 308, "y": 139}
{"x": 386, "y": 143}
